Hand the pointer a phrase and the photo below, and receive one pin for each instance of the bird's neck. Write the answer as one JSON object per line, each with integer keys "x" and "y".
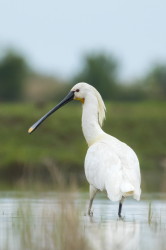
{"x": 90, "y": 124}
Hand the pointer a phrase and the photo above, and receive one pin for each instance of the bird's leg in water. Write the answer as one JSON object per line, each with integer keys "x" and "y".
{"x": 120, "y": 206}
{"x": 92, "y": 192}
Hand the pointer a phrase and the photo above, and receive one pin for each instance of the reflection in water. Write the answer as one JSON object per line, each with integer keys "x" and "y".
{"x": 116, "y": 234}
{"x": 32, "y": 222}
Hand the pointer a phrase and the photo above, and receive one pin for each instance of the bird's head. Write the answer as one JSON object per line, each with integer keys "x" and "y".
{"x": 81, "y": 90}
{"x": 78, "y": 92}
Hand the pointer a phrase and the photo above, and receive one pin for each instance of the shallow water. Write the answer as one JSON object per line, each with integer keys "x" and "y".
{"x": 143, "y": 225}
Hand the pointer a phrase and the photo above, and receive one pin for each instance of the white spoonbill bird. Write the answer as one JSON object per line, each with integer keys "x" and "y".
{"x": 110, "y": 165}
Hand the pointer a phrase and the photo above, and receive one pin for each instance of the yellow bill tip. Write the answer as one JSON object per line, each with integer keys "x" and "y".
{"x": 30, "y": 130}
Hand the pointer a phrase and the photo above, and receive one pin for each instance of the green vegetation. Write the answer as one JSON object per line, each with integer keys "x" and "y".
{"x": 13, "y": 74}
{"x": 156, "y": 82}
{"x": 100, "y": 69}
{"x": 136, "y": 116}
{"x": 59, "y": 141}
{"x": 18, "y": 82}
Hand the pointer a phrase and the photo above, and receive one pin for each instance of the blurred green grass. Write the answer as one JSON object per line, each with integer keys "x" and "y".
{"x": 59, "y": 140}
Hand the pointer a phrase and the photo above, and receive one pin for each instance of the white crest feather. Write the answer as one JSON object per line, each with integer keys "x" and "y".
{"x": 101, "y": 107}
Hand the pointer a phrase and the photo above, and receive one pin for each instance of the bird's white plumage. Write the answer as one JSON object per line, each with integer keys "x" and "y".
{"x": 110, "y": 164}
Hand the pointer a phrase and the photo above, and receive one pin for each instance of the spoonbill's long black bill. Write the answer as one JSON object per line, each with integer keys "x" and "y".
{"x": 67, "y": 99}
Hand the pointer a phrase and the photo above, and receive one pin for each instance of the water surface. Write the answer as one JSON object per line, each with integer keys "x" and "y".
{"x": 143, "y": 225}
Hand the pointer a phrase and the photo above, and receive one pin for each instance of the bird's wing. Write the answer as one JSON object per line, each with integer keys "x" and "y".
{"x": 105, "y": 169}
{"x": 130, "y": 166}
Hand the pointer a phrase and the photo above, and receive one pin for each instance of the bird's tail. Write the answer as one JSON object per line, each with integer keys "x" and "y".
{"x": 116, "y": 191}
{"x": 118, "y": 185}
{"x": 127, "y": 188}
{"x": 130, "y": 188}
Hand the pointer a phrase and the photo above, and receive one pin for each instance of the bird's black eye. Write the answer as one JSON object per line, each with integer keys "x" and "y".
{"x": 77, "y": 90}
